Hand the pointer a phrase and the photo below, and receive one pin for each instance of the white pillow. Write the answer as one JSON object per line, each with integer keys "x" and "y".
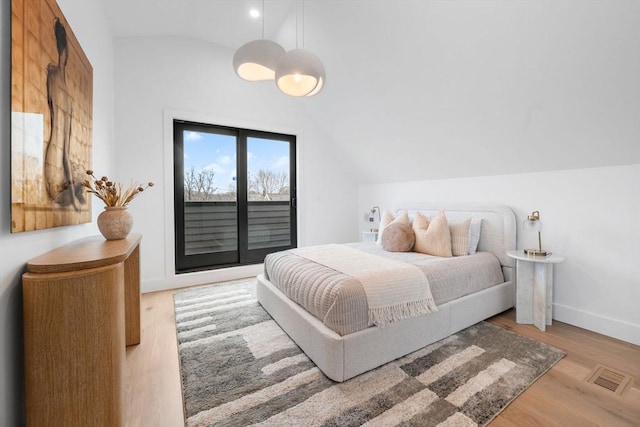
{"x": 474, "y": 235}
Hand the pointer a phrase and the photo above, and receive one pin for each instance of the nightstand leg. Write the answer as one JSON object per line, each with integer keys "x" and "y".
{"x": 542, "y": 295}
{"x": 524, "y": 292}
{"x": 549, "y": 275}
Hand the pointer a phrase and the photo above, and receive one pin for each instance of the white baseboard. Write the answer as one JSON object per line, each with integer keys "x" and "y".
{"x": 594, "y": 322}
{"x": 201, "y": 278}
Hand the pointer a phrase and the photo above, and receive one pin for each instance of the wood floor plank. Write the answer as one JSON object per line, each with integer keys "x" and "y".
{"x": 604, "y": 407}
{"x": 533, "y": 408}
{"x": 561, "y": 397}
{"x": 154, "y": 394}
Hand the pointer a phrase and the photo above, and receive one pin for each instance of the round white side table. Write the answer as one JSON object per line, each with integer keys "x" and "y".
{"x": 534, "y": 288}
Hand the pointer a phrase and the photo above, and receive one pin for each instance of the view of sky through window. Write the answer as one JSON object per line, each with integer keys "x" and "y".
{"x": 218, "y": 153}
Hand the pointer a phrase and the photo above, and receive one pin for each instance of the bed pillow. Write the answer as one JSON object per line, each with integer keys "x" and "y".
{"x": 460, "y": 238}
{"x": 386, "y": 219}
{"x": 420, "y": 221}
{"x": 432, "y": 238}
{"x": 474, "y": 235}
{"x": 419, "y": 225}
{"x": 398, "y": 236}
{"x": 394, "y": 239}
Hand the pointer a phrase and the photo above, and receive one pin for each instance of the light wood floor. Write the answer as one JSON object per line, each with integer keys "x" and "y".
{"x": 561, "y": 397}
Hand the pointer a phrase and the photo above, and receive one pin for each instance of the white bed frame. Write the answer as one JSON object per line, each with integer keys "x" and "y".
{"x": 343, "y": 357}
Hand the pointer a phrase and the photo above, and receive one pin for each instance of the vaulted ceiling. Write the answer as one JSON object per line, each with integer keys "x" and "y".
{"x": 442, "y": 89}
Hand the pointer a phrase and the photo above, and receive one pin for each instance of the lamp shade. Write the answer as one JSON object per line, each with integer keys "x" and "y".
{"x": 300, "y": 73}
{"x": 257, "y": 60}
{"x": 532, "y": 223}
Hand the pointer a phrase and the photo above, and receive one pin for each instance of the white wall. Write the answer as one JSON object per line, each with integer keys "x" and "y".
{"x": 160, "y": 78}
{"x": 89, "y": 26}
{"x": 479, "y": 87}
{"x": 590, "y": 216}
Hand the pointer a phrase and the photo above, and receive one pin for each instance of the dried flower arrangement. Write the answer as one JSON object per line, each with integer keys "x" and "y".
{"x": 113, "y": 194}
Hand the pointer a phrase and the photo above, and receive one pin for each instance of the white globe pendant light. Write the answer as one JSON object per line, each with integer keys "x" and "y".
{"x": 257, "y": 60}
{"x": 300, "y": 73}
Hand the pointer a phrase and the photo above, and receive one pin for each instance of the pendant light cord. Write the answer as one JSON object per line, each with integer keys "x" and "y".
{"x": 263, "y": 19}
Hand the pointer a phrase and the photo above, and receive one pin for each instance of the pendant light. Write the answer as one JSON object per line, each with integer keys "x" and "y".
{"x": 257, "y": 60}
{"x": 300, "y": 72}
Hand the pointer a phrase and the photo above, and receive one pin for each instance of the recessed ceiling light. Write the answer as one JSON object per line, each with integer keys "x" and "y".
{"x": 254, "y": 13}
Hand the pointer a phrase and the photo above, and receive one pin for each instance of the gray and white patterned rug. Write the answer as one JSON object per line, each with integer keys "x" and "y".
{"x": 239, "y": 368}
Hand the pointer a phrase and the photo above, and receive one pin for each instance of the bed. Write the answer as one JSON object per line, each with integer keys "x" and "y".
{"x": 343, "y": 351}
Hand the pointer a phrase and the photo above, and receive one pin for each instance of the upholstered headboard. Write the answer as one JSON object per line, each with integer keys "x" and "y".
{"x": 497, "y": 230}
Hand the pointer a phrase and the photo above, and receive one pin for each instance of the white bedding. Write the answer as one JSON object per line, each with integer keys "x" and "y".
{"x": 340, "y": 301}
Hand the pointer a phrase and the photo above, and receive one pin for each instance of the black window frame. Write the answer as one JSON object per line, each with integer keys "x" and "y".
{"x": 245, "y": 256}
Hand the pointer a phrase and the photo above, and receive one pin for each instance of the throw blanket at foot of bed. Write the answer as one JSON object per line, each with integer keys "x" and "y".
{"x": 395, "y": 290}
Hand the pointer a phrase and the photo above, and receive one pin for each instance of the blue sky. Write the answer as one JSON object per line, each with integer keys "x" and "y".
{"x": 217, "y": 152}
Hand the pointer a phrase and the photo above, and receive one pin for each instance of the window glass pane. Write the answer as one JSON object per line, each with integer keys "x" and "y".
{"x": 269, "y": 210}
{"x": 210, "y": 193}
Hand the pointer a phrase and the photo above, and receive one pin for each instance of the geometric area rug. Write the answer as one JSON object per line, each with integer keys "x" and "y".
{"x": 239, "y": 368}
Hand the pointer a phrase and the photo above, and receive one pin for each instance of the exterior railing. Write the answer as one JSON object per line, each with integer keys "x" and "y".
{"x": 212, "y": 226}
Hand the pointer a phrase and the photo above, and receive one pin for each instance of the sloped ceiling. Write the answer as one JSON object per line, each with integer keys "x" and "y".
{"x": 442, "y": 89}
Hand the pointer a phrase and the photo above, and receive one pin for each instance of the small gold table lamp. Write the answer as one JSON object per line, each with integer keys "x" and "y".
{"x": 533, "y": 223}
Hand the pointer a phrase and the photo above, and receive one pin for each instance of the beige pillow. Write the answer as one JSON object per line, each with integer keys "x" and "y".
{"x": 420, "y": 226}
{"x": 434, "y": 238}
{"x": 460, "y": 238}
{"x": 398, "y": 237}
{"x": 386, "y": 219}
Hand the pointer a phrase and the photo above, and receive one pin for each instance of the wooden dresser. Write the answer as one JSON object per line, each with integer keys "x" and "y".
{"x": 81, "y": 307}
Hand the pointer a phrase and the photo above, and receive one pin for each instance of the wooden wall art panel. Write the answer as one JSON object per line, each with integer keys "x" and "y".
{"x": 51, "y": 119}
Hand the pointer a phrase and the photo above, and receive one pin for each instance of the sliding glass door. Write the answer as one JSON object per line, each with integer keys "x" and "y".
{"x": 234, "y": 195}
